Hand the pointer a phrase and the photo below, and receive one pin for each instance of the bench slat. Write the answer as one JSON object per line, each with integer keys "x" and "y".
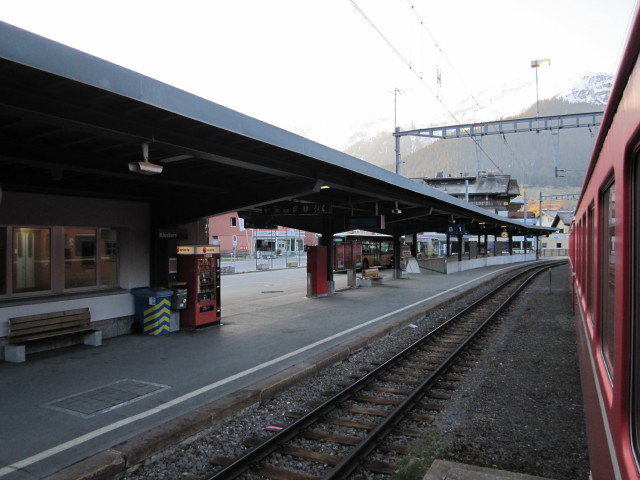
{"x": 45, "y": 316}
{"x": 43, "y": 325}
{"x": 37, "y": 327}
{"x": 68, "y": 331}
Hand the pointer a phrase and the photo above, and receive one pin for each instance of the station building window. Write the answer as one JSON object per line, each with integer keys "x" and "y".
{"x": 57, "y": 259}
{"x": 31, "y": 262}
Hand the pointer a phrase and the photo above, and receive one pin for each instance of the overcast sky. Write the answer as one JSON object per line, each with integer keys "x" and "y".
{"x": 325, "y": 68}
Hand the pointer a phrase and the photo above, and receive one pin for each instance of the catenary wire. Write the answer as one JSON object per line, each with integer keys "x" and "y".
{"x": 408, "y": 64}
{"x": 439, "y": 49}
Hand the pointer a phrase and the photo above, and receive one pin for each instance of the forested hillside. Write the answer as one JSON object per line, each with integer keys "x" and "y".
{"x": 528, "y": 157}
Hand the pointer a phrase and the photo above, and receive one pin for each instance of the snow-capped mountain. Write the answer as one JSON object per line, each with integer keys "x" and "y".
{"x": 592, "y": 88}
{"x": 375, "y": 143}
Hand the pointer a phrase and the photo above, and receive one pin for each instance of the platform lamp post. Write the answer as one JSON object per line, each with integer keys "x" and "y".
{"x": 535, "y": 64}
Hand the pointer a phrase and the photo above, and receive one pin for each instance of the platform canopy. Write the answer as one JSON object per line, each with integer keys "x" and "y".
{"x": 71, "y": 124}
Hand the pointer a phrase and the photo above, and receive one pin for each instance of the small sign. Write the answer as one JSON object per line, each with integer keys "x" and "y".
{"x": 202, "y": 249}
{"x": 504, "y": 234}
{"x": 374, "y": 221}
{"x": 297, "y": 208}
{"x": 171, "y": 234}
{"x": 197, "y": 249}
{"x": 259, "y": 223}
{"x": 457, "y": 229}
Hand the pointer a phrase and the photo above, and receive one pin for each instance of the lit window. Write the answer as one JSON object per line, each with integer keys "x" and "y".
{"x": 55, "y": 259}
{"x": 80, "y": 264}
{"x": 31, "y": 270}
{"x": 108, "y": 257}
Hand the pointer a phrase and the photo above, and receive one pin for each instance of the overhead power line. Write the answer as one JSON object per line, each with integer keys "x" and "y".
{"x": 402, "y": 58}
{"x": 439, "y": 49}
{"x": 419, "y": 76}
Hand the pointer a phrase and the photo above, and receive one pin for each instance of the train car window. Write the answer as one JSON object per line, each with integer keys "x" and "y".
{"x": 607, "y": 292}
{"x": 635, "y": 307}
{"x": 591, "y": 270}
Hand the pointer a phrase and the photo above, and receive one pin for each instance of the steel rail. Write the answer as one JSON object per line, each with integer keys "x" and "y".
{"x": 351, "y": 461}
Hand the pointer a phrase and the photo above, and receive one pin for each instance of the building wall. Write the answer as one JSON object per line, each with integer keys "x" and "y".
{"x": 226, "y": 226}
{"x": 557, "y": 241}
{"x": 112, "y": 308}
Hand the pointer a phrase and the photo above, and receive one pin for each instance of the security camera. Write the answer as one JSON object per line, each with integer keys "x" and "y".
{"x": 145, "y": 168}
{"x": 396, "y": 211}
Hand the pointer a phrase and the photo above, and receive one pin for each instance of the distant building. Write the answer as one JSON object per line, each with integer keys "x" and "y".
{"x": 229, "y": 232}
{"x": 562, "y": 220}
{"x": 557, "y": 244}
{"x": 487, "y": 190}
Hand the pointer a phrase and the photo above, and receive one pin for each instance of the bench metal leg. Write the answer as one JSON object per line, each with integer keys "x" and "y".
{"x": 14, "y": 353}
{"x": 93, "y": 338}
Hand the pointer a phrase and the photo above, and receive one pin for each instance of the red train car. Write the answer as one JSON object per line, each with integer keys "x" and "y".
{"x": 604, "y": 252}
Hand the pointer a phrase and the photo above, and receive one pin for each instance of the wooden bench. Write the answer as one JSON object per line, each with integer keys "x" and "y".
{"x": 31, "y": 328}
{"x": 372, "y": 273}
{"x": 368, "y": 276}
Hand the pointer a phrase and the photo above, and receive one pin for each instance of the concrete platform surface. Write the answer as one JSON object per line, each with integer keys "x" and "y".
{"x": 87, "y": 412}
{"x": 445, "y": 470}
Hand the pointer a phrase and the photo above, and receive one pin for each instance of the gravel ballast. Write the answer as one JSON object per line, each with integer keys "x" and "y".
{"x": 521, "y": 409}
{"x": 518, "y": 409}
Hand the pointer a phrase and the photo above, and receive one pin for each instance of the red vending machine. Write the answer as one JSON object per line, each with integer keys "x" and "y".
{"x": 199, "y": 270}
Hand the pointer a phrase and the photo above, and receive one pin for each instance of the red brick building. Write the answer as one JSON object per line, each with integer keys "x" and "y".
{"x": 228, "y": 230}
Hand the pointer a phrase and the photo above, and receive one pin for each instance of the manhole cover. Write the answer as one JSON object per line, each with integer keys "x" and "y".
{"x": 106, "y": 398}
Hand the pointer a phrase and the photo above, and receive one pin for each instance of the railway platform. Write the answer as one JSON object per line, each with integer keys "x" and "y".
{"x": 85, "y": 412}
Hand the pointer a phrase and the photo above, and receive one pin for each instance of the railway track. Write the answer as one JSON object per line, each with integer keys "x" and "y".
{"x": 363, "y": 426}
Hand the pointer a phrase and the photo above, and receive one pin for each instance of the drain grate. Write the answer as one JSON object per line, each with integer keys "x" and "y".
{"x": 106, "y": 398}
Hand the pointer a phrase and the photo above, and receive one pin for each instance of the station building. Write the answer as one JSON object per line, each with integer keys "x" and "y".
{"x": 108, "y": 174}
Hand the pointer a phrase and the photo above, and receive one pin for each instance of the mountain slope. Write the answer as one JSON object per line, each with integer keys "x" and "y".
{"x": 528, "y": 157}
